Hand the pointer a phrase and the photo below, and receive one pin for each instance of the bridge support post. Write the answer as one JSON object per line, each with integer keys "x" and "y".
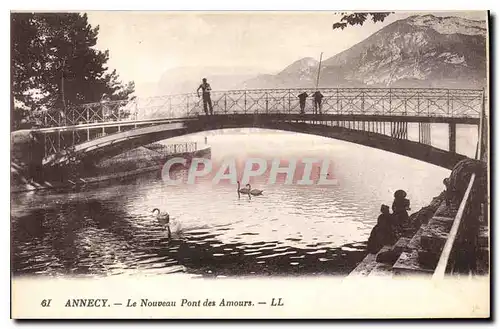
{"x": 245, "y": 102}
{"x": 58, "y": 140}
{"x": 267, "y": 103}
{"x": 45, "y": 151}
{"x": 452, "y": 142}
{"x": 424, "y": 133}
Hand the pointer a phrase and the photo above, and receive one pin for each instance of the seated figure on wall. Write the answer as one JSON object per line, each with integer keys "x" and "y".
{"x": 383, "y": 233}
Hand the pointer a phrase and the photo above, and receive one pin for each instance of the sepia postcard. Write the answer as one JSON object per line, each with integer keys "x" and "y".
{"x": 250, "y": 165}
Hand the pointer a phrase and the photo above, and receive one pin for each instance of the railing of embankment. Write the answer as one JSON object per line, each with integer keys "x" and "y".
{"x": 445, "y": 263}
{"x": 357, "y": 101}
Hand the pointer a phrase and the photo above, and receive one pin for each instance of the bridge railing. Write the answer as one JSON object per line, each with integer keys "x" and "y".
{"x": 369, "y": 101}
{"x": 176, "y": 148}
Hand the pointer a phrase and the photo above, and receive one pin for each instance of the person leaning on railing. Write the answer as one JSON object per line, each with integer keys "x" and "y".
{"x": 302, "y": 101}
{"x": 317, "y": 97}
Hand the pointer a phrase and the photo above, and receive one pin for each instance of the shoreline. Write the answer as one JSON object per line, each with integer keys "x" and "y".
{"x": 418, "y": 249}
{"x": 102, "y": 176}
{"x": 372, "y": 263}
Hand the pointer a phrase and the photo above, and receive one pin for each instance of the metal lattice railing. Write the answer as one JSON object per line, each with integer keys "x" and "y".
{"x": 167, "y": 149}
{"x": 364, "y": 101}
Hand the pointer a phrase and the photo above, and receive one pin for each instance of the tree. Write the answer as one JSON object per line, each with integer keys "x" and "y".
{"x": 55, "y": 65}
{"x": 359, "y": 19}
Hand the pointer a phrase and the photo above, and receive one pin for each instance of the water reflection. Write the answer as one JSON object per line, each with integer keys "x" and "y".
{"x": 93, "y": 238}
{"x": 291, "y": 230}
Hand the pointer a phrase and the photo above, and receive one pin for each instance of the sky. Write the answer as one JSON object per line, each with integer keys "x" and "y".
{"x": 145, "y": 44}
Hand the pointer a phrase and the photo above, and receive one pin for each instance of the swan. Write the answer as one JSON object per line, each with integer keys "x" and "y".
{"x": 254, "y": 191}
{"x": 245, "y": 190}
{"x": 162, "y": 217}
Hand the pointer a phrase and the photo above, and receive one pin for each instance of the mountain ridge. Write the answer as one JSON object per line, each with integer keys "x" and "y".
{"x": 418, "y": 51}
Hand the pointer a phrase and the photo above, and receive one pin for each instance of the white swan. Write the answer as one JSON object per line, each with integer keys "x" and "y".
{"x": 162, "y": 217}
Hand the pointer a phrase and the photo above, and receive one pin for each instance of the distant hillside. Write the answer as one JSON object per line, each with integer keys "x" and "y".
{"x": 301, "y": 73}
{"x": 419, "y": 51}
{"x": 187, "y": 79}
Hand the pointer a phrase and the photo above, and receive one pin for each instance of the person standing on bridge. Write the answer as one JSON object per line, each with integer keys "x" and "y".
{"x": 205, "y": 87}
{"x": 318, "y": 96}
{"x": 302, "y": 102}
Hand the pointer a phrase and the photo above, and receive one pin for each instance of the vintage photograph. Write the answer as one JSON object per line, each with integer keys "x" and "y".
{"x": 239, "y": 145}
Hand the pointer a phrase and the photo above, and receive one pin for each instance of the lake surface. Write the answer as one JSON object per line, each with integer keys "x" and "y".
{"x": 289, "y": 230}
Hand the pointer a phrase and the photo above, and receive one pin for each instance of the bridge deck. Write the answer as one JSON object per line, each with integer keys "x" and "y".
{"x": 346, "y": 107}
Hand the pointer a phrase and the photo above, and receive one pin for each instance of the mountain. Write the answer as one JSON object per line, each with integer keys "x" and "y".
{"x": 419, "y": 51}
{"x": 301, "y": 73}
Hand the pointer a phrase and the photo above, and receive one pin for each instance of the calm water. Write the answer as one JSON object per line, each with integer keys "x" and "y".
{"x": 291, "y": 229}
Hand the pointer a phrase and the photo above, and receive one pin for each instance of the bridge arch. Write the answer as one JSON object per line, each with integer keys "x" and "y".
{"x": 324, "y": 126}
{"x": 103, "y": 129}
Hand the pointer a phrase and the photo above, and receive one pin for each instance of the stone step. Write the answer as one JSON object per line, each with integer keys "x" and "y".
{"x": 381, "y": 270}
{"x": 428, "y": 259}
{"x": 414, "y": 243}
{"x": 390, "y": 256}
{"x": 445, "y": 210}
{"x": 408, "y": 264}
{"x": 402, "y": 245}
{"x": 364, "y": 268}
{"x": 435, "y": 233}
{"x": 415, "y": 259}
{"x": 367, "y": 264}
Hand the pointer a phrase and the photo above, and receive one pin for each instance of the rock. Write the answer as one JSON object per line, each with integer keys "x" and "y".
{"x": 388, "y": 257}
{"x": 460, "y": 176}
